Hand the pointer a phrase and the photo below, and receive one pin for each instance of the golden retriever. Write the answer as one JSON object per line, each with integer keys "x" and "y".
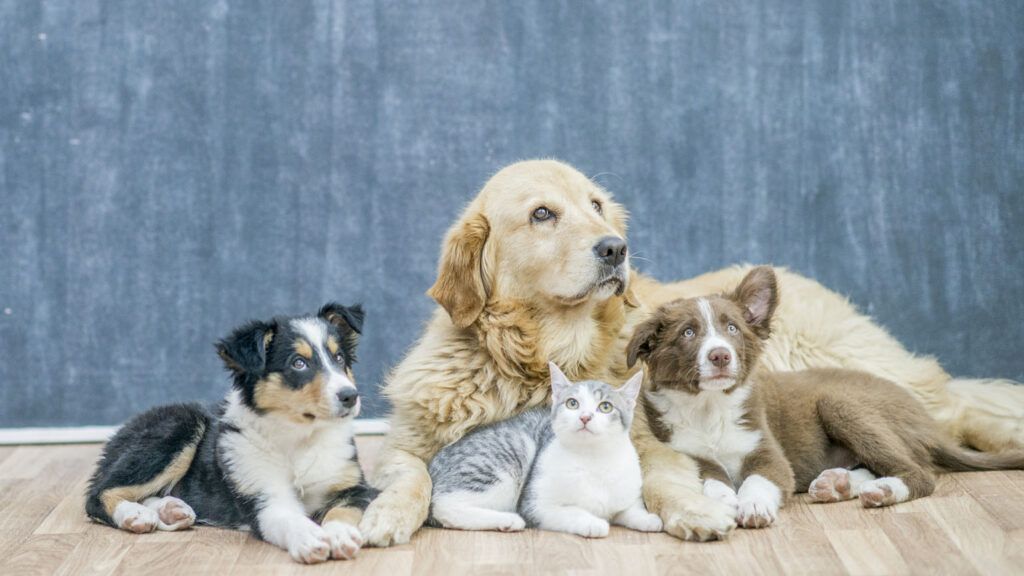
{"x": 536, "y": 270}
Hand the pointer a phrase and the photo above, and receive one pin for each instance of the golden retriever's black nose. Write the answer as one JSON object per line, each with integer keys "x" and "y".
{"x": 348, "y": 397}
{"x": 611, "y": 250}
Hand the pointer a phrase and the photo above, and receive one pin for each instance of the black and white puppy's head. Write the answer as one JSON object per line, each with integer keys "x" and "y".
{"x": 300, "y": 367}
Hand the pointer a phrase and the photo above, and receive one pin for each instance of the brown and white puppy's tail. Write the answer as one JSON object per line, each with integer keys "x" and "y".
{"x": 953, "y": 458}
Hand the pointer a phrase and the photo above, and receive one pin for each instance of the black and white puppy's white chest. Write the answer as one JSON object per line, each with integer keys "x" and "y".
{"x": 269, "y": 454}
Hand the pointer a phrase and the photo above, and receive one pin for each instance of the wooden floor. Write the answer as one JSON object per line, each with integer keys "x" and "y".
{"x": 974, "y": 524}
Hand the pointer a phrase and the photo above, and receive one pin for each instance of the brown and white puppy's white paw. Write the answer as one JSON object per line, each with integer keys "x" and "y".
{"x": 345, "y": 539}
{"x": 884, "y": 491}
{"x": 173, "y": 512}
{"x": 718, "y": 490}
{"x": 832, "y": 485}
{"x": 759, "y": 502}
{"x": 135, "y": 517}
{"x": 308, "y": 543}
{"x": 699, "y": 519}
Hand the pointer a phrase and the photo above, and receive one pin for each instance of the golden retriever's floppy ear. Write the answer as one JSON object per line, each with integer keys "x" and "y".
{"x": 758, "y": 295}
{"x": 460, "y": 285}
{"x": 642, "y": 343}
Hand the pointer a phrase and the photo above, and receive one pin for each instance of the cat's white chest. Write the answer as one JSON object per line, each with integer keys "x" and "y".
{"x": 708, "y": 425}
{"x": 604, "y": 484}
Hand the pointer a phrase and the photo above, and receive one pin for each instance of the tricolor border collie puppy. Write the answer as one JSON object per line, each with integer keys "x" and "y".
{"x": 759, "y": 435}
{"x": 277, "y": 456}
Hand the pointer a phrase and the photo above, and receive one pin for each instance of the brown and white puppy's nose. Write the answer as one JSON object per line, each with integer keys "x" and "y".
{"x": 611, "y": 250}
{"x": 348, "y": 397}
{"x": 585, "y": 418}
{"x": 720, "y": 357}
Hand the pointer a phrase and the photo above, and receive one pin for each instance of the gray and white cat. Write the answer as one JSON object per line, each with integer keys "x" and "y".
{"x": 569, "y": 468}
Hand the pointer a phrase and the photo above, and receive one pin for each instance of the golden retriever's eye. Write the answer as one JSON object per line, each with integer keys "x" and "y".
{"x": 298, "y": 364}
{"x": 597, "y": 206}
{"x": 542, "y": 214}
{"x": 572, "y": 404}
{"x": 689, "y": 333}
{"x": 605, "y": 407}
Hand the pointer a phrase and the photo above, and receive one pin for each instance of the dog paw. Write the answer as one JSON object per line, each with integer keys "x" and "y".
{"x": 699, "y": 519}
{"x": 135, "y": 517}
{"x": 718, "y": 490}
{"x": 309, "y": 543}
{"x": 387, "y": 523}
{"x": 755, "y": 513}
{"x": 883, "y": 492}
{"x": 173, "y": 512}
{"x": 832, "y": 485}
{"x": 590, "y": 528}
{"x": 345, "y": 540}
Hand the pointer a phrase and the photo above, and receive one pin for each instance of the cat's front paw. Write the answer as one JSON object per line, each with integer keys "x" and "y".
{"x": 345, "y": 540}
{"x": 647, "y": 523}
{"x": 590, "y": 527}
{"x": 308, "y": 543}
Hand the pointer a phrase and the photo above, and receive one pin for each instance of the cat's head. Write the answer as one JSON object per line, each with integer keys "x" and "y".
{"x": 588, "y": 411}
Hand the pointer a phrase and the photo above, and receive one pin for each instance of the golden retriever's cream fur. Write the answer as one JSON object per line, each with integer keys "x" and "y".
{"x": 515, "y": 294}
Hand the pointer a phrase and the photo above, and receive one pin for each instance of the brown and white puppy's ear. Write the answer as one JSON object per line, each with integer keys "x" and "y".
{"x": 644, "y": 339}
{"x": 244, "y": 351}
{"x": 460, "y": 285}
{"x": 758, "y": 295}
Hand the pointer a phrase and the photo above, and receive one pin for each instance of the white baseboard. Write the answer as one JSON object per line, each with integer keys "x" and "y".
{"x": 89, "y": 434}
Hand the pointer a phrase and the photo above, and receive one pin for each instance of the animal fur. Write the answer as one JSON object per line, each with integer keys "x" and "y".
{"x": 502, "y": 287}
{"x": 758, "y": 435}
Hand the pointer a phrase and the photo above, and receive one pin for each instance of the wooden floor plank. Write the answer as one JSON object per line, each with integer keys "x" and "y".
{"x": 973, "y": 524}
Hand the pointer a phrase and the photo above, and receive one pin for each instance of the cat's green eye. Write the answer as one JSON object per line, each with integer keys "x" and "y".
{"x": 605, "y": 407}
{"x": 572, "y": 404}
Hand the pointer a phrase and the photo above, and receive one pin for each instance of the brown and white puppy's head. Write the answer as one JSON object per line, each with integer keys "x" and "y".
{"x": 708, "y": 343}
{"x": 298, "y": 368}
{"x": 538, "y": 231}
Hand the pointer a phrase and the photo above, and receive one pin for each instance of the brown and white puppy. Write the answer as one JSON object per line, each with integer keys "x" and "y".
{"x": 759, "y": 435}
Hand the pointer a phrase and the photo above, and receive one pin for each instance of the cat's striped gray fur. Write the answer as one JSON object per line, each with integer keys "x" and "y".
{"x": 570, "y": 467}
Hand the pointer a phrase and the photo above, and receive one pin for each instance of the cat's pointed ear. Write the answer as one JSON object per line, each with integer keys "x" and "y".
{"x": 559, "y": 382}
{"x": 631, "y": 389}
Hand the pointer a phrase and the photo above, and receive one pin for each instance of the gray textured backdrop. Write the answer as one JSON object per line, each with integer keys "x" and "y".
{"x": 169, "y": 169}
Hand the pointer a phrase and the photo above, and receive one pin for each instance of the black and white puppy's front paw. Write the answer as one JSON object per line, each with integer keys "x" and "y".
{"x": 345, "y": 539}
{"x": 308, "y": 543}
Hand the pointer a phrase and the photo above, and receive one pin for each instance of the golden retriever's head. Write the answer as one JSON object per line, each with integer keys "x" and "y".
{"x": 538, "y": 231}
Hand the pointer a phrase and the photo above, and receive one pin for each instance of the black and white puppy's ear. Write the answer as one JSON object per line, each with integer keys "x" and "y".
{"x": 349, "y": 321}
{"x": 346, "y": 318}
{"x": 758, "y": 295}
{"x": 244, "y": 351}
{"x": 644, "y": 338}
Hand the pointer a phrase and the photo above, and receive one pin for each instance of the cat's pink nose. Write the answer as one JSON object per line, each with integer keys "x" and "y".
{"x": 585, "y": 418}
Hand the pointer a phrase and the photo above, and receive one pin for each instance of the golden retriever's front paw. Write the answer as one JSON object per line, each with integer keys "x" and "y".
{"x": 699, "y": 518}
{"x": 388, "y": 523}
